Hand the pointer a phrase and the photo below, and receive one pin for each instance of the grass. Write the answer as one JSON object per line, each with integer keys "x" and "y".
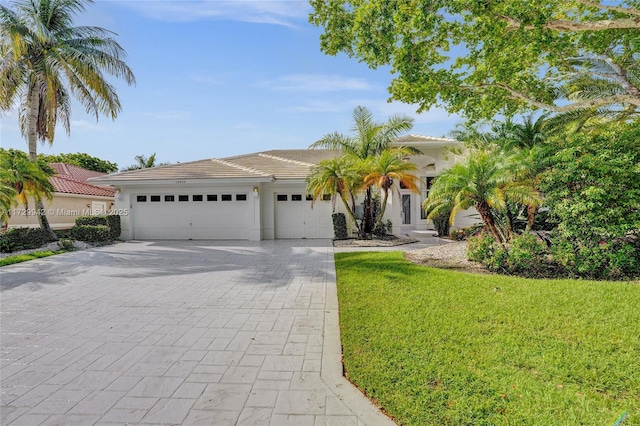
{"x": 26, "y": 257}
{"x": 436, "y": 347}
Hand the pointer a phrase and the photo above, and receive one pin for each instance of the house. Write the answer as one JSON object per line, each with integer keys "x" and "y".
{"x": 74, "y": 196}
{"x": 258, "y": 196}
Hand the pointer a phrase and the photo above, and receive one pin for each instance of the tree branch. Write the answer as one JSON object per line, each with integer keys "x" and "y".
{"x": 613, "y": 8}
{"x": 565, "y": 25}
{"x": 591, "y": 103}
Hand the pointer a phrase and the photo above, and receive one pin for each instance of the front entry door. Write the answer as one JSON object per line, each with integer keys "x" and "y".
{"x": 406, "y": 209}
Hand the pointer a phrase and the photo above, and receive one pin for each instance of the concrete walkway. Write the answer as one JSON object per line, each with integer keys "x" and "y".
{"x": 191, "y": 333}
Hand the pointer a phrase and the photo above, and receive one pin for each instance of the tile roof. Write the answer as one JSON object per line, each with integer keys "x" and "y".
{"x": 276, "y": 164}
{"x": 73, "y": 180}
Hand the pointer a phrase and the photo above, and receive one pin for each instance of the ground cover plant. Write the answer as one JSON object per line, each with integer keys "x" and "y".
{"x": 435, "y": 347}
{"x": 26, "y": 257}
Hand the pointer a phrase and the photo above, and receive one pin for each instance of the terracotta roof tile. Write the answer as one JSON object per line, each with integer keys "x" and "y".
{"x": 73, "y": 180}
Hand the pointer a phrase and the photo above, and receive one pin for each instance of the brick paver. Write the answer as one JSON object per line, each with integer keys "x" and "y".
{"x": 215, "y": 333}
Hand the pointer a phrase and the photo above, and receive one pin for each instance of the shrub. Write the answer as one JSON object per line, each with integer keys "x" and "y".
{"x": 91, "y": 233}
{"x": 110, "y": 221}
{"x": 339, "y": 226}
{"x": 480, "y": 247}
{"x": 65, "y": 243}
{"x": 384, "y": 228}
{"x": 442, "y": 224}
{"x": 527, "y": 256}
{"x": 22, "y": 239}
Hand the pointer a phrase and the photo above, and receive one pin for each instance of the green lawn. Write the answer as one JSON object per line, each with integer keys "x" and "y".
{"x": 436, "y": 347}
{"x": 25, "y": 257}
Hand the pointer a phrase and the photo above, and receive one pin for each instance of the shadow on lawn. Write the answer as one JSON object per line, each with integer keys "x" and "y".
{"x": 257, "y": 262}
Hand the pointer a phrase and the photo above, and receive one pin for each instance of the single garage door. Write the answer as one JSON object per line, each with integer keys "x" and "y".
{"x": 294, "y": 217}
{"x": 197, "y": 216}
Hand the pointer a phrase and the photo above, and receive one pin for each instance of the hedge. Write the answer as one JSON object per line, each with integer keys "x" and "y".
{"x": 91, "y": 233}
{"x": 111, "y": 221}
{"x": 22, "y": 239}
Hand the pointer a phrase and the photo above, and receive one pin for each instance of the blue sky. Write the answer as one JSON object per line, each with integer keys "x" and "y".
{"x": 221, "y": 78}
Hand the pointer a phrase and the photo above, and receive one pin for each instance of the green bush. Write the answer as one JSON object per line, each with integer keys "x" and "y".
{"x": 91, "y": 233}
{"x": 16, "y": 239}
{"x": 480, "y": 247}
{"x": 339, "y": 226}
{"x": 527, "y": 255}
{"x": 617, "y": 259}
{"x": 110, "y": 221}
{"x": 115, "y": 227}
{"x": 442, "y": 224}
{"x": 592, "y": 190}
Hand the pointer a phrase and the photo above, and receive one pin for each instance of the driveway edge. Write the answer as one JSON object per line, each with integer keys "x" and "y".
{"x": 331, "y": 371}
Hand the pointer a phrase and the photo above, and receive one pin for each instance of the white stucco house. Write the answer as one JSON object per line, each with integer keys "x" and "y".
{"x": 258, "y": 196}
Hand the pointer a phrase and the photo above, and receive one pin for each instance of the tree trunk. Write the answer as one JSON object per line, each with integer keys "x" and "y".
{"x": 383, "y": 207}
{"x": 32, "y": 140}
{"x": 351, "y": 214}
{"x": 487, "y": 217}
{"x": 531, "y": 216}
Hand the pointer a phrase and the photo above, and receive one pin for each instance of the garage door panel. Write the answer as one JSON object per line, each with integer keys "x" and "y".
{"x": 191, "y": 219}
{"x": 296, "y": 219}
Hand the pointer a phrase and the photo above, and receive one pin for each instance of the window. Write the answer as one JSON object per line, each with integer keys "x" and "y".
{"x": 309, "y": 197}
{"x": 241, "y": 197}
{"x": 169, "y": 198}
{"x": 141, "y": 198}
{"x": 155, "y": 198}
{"x": 212, "y": 197}
{"x": 281, "y": 197}
{"x": 183, "y": 198}
{"x": 226, "y": 197}
{"x": 296, "y": 197}
{"x": 326, "y": 197}
{"x": 425, "y": 184}
{"x": 197, "y": 198}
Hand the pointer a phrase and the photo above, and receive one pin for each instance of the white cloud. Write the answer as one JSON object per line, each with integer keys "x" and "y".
{"x": 85, "y": 125}
{"x": 285, "y": 13}
{"x": 315, "y": 83}
{"x": 318, "y": 106}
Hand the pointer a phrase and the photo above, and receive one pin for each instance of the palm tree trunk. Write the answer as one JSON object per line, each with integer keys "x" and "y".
{"x": 32, "y": 140}
{"x": 383, "y": 207}
{"x": 487, "y": 217}
{"x": 531, "y": 216}
{"x": 351, "y": 214}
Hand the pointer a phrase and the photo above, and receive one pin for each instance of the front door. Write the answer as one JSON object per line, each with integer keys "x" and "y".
{"x": 406, "y": 209}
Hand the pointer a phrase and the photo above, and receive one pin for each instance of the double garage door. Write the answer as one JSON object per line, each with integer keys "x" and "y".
{"x": 294, "y": 217}
{"x": 192, "y": 215}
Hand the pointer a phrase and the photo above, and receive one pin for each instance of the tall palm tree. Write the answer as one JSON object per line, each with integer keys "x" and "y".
{"x": 483, "y": 181}
{"x": 27, "y": 178}
{"x": 383, "y": 170}
{"x": 45, "y": 60}
{"x": 340, "y": 178}
{"x": 368, "y": 139}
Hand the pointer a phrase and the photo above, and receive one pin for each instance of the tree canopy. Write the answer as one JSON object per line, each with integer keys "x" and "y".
{"x": 83, "y": 160}
{"x": 481, "y": 58}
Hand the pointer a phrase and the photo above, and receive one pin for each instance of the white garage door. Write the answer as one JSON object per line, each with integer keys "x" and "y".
{"x": 294, "y": 217}
{"x": 188, "y": 215}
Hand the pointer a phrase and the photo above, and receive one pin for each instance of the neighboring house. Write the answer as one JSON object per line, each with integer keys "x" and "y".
{"x": 259, "y": 196}
{"x": 74, "y": 196}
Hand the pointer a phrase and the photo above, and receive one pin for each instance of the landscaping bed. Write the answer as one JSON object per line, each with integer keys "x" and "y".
{"x": 438, "y": 347}
{"x": 387, "y": 241}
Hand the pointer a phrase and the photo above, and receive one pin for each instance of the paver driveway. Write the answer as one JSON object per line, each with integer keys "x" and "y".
{"x": 216, "y": 333}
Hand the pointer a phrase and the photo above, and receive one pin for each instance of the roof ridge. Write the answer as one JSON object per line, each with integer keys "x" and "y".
{"x": 237, "y": 166}
{"x": 288, "y": 160}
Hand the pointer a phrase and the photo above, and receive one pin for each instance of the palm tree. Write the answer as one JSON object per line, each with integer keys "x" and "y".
{"x": 28, "y": 179}
{"x": 340, "y": 178}
{"x": 483, "y": 181}
{"x": 368, "y": 139}
{"x": 143, "y": 162}
{"x": 8, "y": 196}
{"x": 383, "y": 170}
{"x": 45, "y": 59}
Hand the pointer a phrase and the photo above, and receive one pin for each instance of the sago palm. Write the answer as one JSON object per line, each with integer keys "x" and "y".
{"x": 45, "y": 60}
{"x": 386, "y": 168}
